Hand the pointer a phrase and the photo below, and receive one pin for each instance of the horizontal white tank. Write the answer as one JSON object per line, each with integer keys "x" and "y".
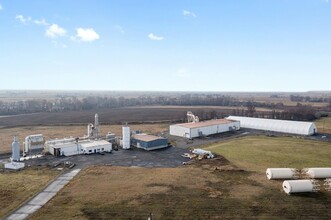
{"x": 299, "y": 186}
{"x": 281, "y": 173}
{"x": 318, "y": 173}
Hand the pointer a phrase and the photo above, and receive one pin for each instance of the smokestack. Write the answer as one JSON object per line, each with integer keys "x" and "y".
{"x": 96, "y": 124}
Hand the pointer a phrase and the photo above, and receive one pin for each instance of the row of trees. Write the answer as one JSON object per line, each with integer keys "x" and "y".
{"x": 242, "y": 108}
{"x": 298, "y": 98}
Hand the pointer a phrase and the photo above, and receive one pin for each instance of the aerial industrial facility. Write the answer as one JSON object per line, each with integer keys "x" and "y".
{"x": 92, "y": 142}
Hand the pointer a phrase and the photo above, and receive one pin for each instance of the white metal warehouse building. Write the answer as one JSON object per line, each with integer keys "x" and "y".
{"x": 204, "y": 128}
{"x": 283, "y": 126}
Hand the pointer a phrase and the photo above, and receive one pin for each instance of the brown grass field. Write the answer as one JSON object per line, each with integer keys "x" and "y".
{"x": 17, "y": 187}
{"x": 324, "y": 125}
{"x": 52, "y": 132}
{"x": 209, "y": 189}
{"x": 112, "y": 116}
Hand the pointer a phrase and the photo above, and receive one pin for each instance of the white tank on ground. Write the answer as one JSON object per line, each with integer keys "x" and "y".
{"x": 126, "y": 137}
{"x": 300, "y": 186}
{"x": 15, "y": 150}
{"x": 281, "y": 173}
{"x": 317, "y": 173}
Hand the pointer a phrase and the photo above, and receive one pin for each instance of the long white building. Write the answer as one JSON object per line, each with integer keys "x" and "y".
{"x": 203, "y": 128}
{"x": 283, "y": 126}
{"x": 69, "y": 147}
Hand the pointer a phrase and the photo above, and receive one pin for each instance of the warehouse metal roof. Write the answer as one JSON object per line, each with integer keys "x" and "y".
{"x": 206, "y": 123}
{"x": 146, "y": 137}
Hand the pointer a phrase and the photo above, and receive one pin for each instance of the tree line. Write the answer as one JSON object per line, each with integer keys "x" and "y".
{"x": 241, "y": 108}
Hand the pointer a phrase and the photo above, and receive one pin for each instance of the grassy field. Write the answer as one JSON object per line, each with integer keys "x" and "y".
{"x": 257, "y": 153}
{"x": 16, "y": 187}
{"x": 199, "y": 191}
{"x": 324, "y": 125}
{"x": 52, "y": 132}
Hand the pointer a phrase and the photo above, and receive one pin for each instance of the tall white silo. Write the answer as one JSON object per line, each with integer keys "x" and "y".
{"x": 126, "y": 137}
{"x": 15, "y": 150}
{"x": 96, "y": 125}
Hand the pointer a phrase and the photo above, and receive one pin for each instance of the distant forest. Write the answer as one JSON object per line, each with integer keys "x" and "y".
{"x": 301, "y": 111}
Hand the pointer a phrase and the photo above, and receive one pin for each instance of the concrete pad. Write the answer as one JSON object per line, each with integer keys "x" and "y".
{"x": 17, "y": 216}
{"x": 42, "y": 198}
{"x": 67, "y": 178}
{"x": 54, "y": 188}
{"x": 28, "y": 209}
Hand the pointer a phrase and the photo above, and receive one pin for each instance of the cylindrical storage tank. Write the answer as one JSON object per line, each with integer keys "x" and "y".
{"x": 15, "y": 150}
{"x": 281, "y": 173}
{"x": 126, "y": 137}
{"x": 318, "y": 173}
{"x": 96, "y": 124}
{"x": 298, "y": 186}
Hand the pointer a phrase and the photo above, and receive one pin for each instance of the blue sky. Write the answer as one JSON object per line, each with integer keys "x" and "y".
{"x": 168, "y": 45}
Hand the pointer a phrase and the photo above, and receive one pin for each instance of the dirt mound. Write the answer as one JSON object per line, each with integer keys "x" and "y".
{"x": 218, "y": 163}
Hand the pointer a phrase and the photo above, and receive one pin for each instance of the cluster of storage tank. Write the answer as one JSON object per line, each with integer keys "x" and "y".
{"x": 293, "y": 183}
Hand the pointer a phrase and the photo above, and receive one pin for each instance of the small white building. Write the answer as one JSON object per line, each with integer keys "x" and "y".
{"x": 204, "y": 128}
{"x": 90, "y": 147}
{"x": 69, "y": 147}
{"x": 284, "y": 126}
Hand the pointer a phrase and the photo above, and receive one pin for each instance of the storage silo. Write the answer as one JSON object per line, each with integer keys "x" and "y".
{"x": 126, "y": 137}
{"x": 300, "y": 186}
{"x": 15, "y": 150}
{"x": 96, "y": 125}
{"x": 281, "y": 173}
{"x": 317, "y": 173}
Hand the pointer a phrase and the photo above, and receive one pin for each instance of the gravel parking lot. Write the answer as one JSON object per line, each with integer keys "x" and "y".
{"x": 167, "y": 157}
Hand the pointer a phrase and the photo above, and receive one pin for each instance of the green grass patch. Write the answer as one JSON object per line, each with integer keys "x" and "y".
{"x": 257, "y": 153}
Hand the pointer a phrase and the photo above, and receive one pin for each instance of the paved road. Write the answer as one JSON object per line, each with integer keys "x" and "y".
{"x": 43, "y": 197}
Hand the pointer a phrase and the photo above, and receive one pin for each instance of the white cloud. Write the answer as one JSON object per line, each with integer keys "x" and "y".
{"x": 42, "y": 22}
{"x": 1, "y": 7}
{"x": 86, "y": 35}
{"x": 183, "y": 73}
{"x": 22, "y": 19}
{"x": 155, "y": 37}
{"x": 189, "y": 14}
{"x": 119, "y": 29}
{"x": 55, "y": 31}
